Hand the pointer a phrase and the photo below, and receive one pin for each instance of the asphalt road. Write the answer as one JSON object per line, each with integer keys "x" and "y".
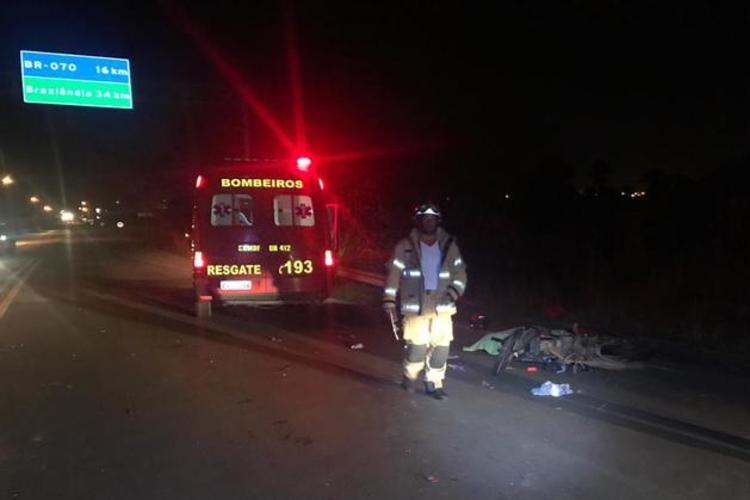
{"x": 109, "y": 388}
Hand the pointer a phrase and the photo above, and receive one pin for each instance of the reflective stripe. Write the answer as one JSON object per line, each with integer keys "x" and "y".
{"x": 460, "y": 284}
{"x": 413, "y": 273}
{"x": 458, "y": 261}
{"x": 410, "y": 307}
{"x": 444, "y": 274}
{"x": 445, "y": 308}
{"x": 399, "y": 264}
{"x": 391, "y": 292}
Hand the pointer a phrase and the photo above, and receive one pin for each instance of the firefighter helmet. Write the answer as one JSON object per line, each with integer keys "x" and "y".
{"x": 427, "y": 209}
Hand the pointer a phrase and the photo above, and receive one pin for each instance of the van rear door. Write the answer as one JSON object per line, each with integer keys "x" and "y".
{"x": 263, "y": 242}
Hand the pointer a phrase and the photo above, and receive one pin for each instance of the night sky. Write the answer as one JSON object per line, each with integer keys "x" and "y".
{"x": 641, "y": 86}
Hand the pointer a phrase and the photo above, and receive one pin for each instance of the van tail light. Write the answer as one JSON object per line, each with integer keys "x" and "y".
{"x": 198, "y": 261}
{"x": 329, "y": 258}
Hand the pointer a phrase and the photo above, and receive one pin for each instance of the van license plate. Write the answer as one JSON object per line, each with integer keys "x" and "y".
{"x": 236, "y": 285}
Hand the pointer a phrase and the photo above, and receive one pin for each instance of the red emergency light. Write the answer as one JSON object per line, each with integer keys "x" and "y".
{"x": 303, "y": 163}
{"x": 329, "y": 258}
{"x": 199, "y": 182}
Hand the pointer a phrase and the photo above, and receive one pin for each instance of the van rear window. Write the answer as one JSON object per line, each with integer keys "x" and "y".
{"x": 293, "y": 210}
{"x": 232, "y": 210}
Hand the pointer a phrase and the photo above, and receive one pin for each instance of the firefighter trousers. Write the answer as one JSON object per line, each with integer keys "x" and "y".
{"x": 428, "y": 339}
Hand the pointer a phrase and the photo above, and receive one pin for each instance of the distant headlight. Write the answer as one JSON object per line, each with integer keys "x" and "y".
{"x": 3, "y": 237}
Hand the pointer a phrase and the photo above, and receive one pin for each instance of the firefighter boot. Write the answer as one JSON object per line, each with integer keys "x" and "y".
{"x": 435, "y": 392}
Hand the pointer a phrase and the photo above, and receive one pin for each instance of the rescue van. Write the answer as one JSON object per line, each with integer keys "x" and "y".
{"x": 263, "y": 232}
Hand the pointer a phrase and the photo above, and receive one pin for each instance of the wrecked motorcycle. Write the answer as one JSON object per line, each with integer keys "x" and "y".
{"x": 568, "y": 350}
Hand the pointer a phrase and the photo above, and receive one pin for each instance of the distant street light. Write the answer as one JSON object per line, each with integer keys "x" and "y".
{"x": 47, "y": 208}
{"x": 34, "y": 199}
{"x": 7, "y": 180}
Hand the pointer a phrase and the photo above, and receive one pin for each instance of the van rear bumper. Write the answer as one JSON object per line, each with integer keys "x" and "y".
{"x": 298, "y": 291}
{"x": 270, "y": 299}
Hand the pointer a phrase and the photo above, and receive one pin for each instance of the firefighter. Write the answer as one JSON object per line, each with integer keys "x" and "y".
{"x": 425, "y": 277}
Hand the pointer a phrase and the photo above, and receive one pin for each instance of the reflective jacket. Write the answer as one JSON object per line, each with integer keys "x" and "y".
{"x": 404, "y": 282}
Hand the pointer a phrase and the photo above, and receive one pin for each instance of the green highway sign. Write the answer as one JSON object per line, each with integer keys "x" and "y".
{"x": 75, "y": 80}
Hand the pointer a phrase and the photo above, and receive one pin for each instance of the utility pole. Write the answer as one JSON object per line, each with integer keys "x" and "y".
{"x": 56, "y": 155}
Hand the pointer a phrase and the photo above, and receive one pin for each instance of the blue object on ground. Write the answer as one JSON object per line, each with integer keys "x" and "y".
{"x": 550, "y": 389}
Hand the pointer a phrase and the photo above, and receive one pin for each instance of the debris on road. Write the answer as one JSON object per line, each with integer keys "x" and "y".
{"x": 551, "y": 389}
{"x": 276, "y": 339}
{"x": 357, "y": 346}
{"x": 491, "y": 343}
{"x": 454, "y": 366}
{"x": 487, "y": 385}
{"x": 557, "y": 347}
{"x": 431, "y": 478}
